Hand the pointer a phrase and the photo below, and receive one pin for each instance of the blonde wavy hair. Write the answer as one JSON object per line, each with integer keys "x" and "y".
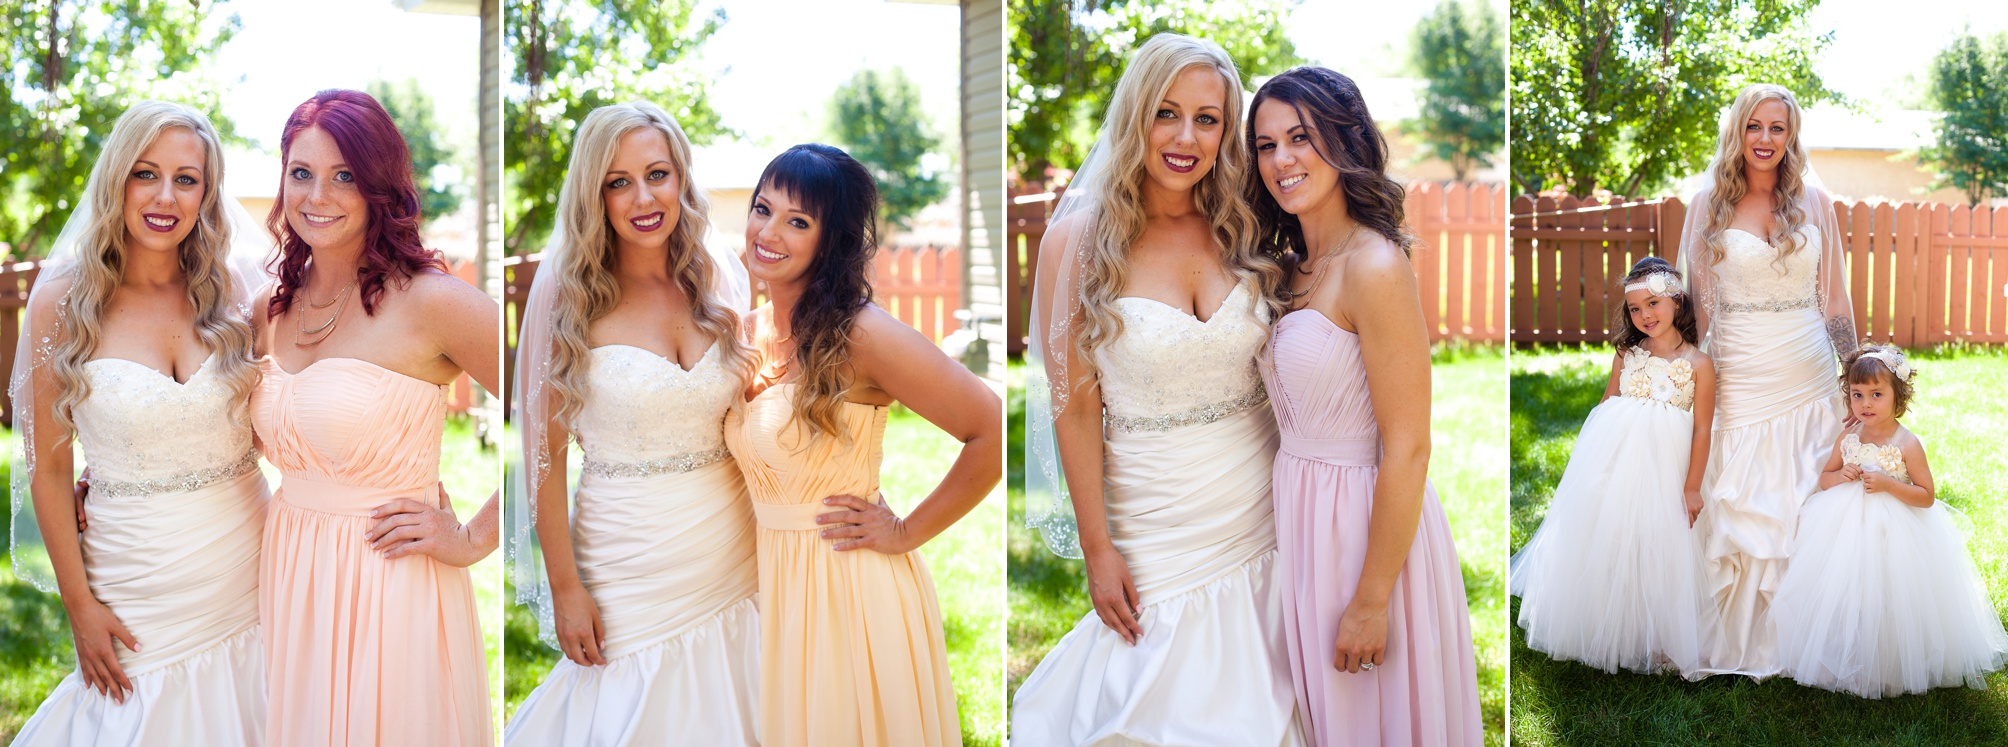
{"x": 1119, "y": 218}
{"x": 1731, "y": 186}
{"x": 587, "y": 289}
{"x": 101, "y": 261}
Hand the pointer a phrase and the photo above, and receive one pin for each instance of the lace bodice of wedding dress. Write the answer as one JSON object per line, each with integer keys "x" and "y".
{"x": 143, "y": 433}
{"x": 644, "y": 414}
{"x": 1753, "y": 277}
{"x": 1169, "y": 369}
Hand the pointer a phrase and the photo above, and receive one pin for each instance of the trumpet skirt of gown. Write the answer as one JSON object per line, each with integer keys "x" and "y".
{"x": 1882, "y": 599}
{"x": 668, "y": 559}
{"x": 852, "y": 650}
{"x": 359, "y": 649}
{"x": 1778, "y": 410}
{"x": 180, "y": 571}
{"x": 1613, "y": 578}
{"x": 1190, "y": 511}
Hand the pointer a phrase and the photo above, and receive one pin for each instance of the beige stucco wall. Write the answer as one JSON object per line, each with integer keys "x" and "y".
{"x": 1878, "y": 176}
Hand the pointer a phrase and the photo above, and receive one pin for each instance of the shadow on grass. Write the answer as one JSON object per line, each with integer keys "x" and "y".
{"x": 1565, "y": 703}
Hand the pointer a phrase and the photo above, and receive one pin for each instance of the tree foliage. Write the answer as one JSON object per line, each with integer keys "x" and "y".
{"x": 572, "y": 57}
{"x": 877, "y": 117}
{"x": 69, "y": 68}
{"x": 411, "y": 108}
{"x": 1460, "y": 51}
{"x": 1626, "y": 94}
{"x": 1066, "y": 56}
{"x": 1969, "y": 83}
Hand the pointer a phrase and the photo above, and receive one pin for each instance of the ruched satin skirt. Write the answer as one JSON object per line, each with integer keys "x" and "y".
{"x": 1778, "y": 411}
{"x": 180, "y": 571}
{"x": 1191, "y": 512}
{"x": 668, "y": 559}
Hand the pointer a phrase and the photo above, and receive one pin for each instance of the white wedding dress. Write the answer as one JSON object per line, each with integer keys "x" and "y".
{"x": 176, "y": 512}
{"x": 1881, "y": 598}
{"x": 1613, "y": 578}
{"x": 1777, "y": 407}
{"x": 663, "y": 536}
{"x": 1189, "y": 447}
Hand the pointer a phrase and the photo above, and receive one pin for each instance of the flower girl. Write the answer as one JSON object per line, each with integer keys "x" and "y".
{"x": 1614, "y": 578}
{"x": 1880, "y": 597}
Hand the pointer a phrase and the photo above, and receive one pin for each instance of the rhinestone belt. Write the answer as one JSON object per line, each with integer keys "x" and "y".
{"x": 1802, "y": 303}
{"x": 1197, "y": 416}
{"x": 181, "y": 483}
{"x": 653, "y": 467}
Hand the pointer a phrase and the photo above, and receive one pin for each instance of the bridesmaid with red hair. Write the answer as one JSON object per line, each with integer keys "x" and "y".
{"x": 371, "y": 635}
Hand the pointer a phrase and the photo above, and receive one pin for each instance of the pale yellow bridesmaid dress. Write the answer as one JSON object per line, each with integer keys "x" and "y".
{"x": 852, "y": 651}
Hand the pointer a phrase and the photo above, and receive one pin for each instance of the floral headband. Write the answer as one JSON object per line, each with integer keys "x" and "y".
{"x": 1660, "y": 283}
{"x": 1893, "y": 359}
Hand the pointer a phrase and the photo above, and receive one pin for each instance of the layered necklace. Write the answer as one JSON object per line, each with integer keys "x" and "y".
{"x": 311, "y": 337}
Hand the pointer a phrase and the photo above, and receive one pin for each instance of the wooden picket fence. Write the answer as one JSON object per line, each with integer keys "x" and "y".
{"x": 919, "y": 285}
{"x": 1460, "y": 260}
{"x": 18, "y": 278}
{"x": 1919, "y": 274}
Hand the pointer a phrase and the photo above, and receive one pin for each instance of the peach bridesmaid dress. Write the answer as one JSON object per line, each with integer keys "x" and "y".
{"x": 852, "y": 651}
{"x": 360, "y": 650}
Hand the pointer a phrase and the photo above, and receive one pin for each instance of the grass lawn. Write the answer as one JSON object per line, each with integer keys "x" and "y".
{"x": 36, "y": 649}
{"x": 1957, "y": 413}
{"x": 1468, "y": 446}
{"x": 964, "y": 561}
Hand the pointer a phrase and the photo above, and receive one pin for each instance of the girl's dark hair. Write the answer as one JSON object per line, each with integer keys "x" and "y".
{"x": 376, "y": 155}
{"x": 832, "y": 186}
{"x": 1344, "y": 135}
{"x": 1629, "y": 336}
{"x": 1858, "y": 368}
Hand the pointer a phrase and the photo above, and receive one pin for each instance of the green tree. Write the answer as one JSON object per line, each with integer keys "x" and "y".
{"x": 1459, "y": 50}
{"x": 572, "y": 57}
{"x": 411, "y": 108}
{"x": 1626, "y": 94}
{"x": 69, "y": 68}
{"x": 877, "y": 117}
{"x": 1066, "y": 56}
{"x": 1969, "y": 83}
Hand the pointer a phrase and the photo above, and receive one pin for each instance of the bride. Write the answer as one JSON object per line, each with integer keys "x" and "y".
{"x": 1148, "y": 313}
{"x": 631, "y": 349}
{"x": 137, "y": 349}
{"x": 1763, "y": 250}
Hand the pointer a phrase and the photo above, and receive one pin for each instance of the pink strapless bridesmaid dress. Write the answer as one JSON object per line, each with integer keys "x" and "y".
{"x": 1426, "y": 689}
{"x": 360, "y": 650}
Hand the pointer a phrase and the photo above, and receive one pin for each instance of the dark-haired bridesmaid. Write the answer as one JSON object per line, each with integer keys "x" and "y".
{"x": 370, "y": 627}
{"x": 852, "y": 650}
{"x": 1374, "y": 611}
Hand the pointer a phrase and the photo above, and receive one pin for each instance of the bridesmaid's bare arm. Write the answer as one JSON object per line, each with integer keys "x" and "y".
{"x": 1385, "y": 308}
{"x": 896, "y": 359}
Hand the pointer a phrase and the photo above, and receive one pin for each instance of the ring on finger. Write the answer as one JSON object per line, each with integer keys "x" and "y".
{"x": 1366, "y": 666}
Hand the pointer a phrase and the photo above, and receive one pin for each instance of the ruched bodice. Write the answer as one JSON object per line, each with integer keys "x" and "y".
{"x": 1168, "y": 367}
{"x": 1320, "y": 386}
{"x": 139, "y": 425}
{"x": 780, "y": 471}
{"x": 654, "y": 409}
{"x": 1753, "y": 277}
{"x": 351, "y": 422}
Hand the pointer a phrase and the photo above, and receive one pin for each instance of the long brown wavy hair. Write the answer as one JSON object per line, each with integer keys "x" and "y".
{"x": 587, "y": 289}
{"x": 1329, "y": 104}
{"x": 839, "y": 192}
{"x": 101, "y": 260}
